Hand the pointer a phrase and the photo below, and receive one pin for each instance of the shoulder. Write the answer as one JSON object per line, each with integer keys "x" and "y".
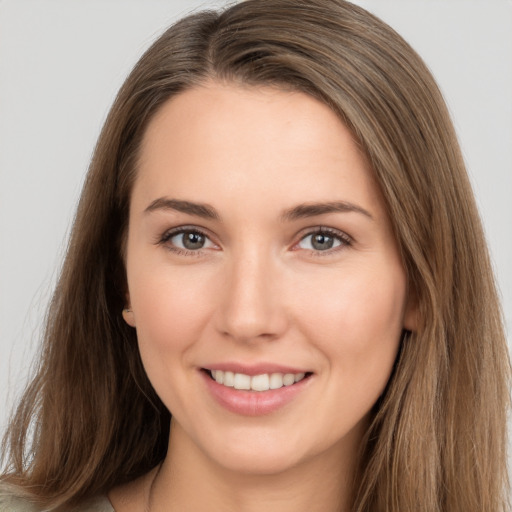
{"x": 11, "y": 500}
{"x": 97, "y": 504}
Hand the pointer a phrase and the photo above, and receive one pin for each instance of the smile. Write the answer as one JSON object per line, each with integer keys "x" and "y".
{"x": 255, "y": 392}
{"x": 262, "y": 382}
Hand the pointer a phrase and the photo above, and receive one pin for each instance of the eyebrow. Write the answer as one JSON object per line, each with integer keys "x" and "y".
{"x": 305, "y": 210}
{"x": 199, "y": 210}
{"x": 300, "y": 211}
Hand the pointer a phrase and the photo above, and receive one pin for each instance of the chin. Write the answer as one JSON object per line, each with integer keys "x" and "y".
{"x": 259, "y": 462}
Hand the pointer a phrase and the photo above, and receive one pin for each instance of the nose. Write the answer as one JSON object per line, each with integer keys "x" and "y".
{"x": 250, "y": 306}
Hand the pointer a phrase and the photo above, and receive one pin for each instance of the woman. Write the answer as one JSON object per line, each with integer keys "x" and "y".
{"x": 277, "y": 243}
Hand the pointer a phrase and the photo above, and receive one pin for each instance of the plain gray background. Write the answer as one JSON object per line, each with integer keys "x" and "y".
{"x": 62, "y": 61}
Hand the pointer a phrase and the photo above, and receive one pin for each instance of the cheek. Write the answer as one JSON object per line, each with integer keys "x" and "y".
{"x": 355, "y": 300}
{"x": 357, "y": 325}
{"x": 171, "y": 308}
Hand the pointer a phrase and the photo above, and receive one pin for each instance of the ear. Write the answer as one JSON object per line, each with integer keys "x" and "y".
{"x": 128, "y": 315}
{"x": 411, "y": 313}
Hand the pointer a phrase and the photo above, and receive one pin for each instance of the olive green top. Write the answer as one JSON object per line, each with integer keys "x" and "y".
{"x": 10, "y": 501}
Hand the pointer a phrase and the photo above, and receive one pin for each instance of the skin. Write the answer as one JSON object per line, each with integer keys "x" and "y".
{"x": 260, "y": 291}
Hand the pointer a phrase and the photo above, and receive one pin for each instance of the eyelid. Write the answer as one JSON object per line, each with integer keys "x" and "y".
{"x": 164, "y": 238}
{"x": 345, "y": 239}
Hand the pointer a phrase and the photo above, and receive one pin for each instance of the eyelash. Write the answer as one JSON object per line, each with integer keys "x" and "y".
{"x": 166, "y": 237}
{"x": 340, "y": 236}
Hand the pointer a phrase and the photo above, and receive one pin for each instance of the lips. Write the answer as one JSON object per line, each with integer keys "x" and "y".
{"x": 255, "y": 390}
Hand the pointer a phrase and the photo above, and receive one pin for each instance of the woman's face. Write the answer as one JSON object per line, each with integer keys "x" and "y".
{"x": 260, "y": 253}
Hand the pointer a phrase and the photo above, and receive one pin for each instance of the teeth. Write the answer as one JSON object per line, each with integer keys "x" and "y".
{"x": 229, "y": 378}
{"x": 242, "y": 381}
{"x": 218, "y": 376}
{"x": 288, "y": 379}
{"x": 276, "y": 381}
{"x": 262, "y": 382}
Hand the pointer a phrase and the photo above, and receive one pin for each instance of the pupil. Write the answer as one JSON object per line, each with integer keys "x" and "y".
{"x": 193, "y": 240}
{"x": 322, "y": 242}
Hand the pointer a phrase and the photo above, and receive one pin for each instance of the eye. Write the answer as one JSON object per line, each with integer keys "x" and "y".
{"x": 186, "y": 240}
{"x": 190, "y": 240}
{"x": 323, "y": 240}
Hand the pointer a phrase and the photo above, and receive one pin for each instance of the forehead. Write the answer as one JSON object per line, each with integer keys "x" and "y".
{"x": 221, "y": 140}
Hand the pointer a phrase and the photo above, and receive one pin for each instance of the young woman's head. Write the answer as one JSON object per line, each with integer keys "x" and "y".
{"x": 259, "y": 245}
{"x": 276, "y": 184}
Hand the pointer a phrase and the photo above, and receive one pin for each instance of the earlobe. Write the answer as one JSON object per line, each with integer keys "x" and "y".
{"x": 129, "y": 317}
{"x": 410, "y": 322}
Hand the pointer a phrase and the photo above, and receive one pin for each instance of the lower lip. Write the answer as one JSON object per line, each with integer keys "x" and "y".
{"x": 253, "y": 403}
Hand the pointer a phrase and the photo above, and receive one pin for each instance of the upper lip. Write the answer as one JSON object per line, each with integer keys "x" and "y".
{"x": 254, "y": 369}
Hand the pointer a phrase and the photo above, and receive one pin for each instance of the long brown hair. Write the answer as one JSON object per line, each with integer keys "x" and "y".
{"x": 90, "y": 418}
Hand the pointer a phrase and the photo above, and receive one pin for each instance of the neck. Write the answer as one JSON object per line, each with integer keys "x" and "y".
{"x": 190, "y": 480}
